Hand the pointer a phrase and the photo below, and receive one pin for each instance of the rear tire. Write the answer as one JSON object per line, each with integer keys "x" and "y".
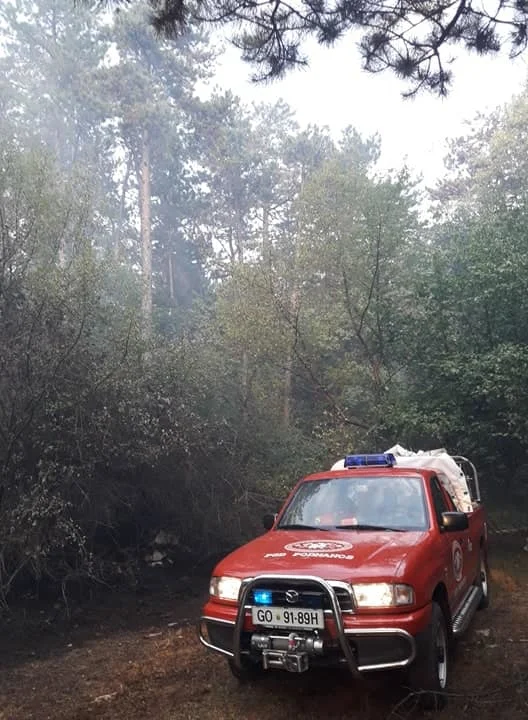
{"x": 483, "y": 582}
{"x": 428, "y": 675}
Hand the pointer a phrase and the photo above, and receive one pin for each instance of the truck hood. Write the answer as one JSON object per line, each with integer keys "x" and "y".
{"x": 348, "y": 555}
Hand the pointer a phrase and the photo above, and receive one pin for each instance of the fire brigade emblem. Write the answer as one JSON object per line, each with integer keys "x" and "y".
{"x": 335, "y": 546}
{"x": 458, "y": 560}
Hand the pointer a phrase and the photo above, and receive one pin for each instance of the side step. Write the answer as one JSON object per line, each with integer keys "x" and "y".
{"x": 466, "y": 612}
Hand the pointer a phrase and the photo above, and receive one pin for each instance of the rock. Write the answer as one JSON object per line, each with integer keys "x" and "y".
{"x": 156, "y": 559}
{"x": 165, "y": 538}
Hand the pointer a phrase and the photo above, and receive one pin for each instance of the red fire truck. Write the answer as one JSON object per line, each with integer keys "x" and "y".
{"x": 376, "y": 564}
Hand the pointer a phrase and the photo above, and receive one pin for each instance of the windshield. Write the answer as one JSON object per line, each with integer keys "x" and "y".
{"x": 395, "y": 502}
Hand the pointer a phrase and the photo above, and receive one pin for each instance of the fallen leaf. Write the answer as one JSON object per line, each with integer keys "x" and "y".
{"x": 105, "y": 698}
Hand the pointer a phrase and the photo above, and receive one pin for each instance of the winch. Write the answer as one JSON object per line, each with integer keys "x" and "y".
{"x": 288, "y": 652}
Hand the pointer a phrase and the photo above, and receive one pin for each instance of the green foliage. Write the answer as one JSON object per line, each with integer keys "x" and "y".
{"x": 409, "y": 38}
{"x": 468, "y": 348}
{"x": 301, "y": 310}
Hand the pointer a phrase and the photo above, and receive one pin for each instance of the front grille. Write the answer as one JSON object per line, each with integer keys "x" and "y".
{"x": 310, "y": 595}
{"x": 344, "y": 599}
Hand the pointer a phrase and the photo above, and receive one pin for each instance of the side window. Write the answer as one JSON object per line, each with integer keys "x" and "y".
{"x": 439, "y": 501}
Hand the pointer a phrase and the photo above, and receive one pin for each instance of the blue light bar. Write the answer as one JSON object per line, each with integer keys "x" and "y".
{"x": 262, "y": 597}
{"x": 379, "y": 460}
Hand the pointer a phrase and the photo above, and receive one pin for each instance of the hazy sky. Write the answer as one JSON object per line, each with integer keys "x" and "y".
{"x": 334, "y": 91}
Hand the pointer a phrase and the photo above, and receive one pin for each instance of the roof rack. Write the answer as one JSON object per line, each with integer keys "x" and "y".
{"x": 472, "y": 479}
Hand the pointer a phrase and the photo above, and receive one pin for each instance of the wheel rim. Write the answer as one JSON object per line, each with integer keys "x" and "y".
{"x": 483, "y": 578}
{"x": 441, "y": 656}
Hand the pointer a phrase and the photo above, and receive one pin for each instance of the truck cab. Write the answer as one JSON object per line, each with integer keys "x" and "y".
{"x": 376, "y": 564}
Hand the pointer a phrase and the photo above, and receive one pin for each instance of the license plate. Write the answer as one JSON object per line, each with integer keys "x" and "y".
{"x": 288, "y": 617}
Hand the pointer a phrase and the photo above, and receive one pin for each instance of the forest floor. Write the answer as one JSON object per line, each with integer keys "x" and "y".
{"x": 139, "y": 658}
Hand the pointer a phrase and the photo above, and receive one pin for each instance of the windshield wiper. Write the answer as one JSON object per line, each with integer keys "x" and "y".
{"x": 298, "y": 526}
{"x": 369, "y": 527}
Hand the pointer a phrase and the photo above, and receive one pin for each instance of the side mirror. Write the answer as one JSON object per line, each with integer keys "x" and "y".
{"x": 269, "y": 520}
{"x": 455, "y": 521}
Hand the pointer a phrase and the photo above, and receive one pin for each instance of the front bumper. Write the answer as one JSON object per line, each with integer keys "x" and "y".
{"x": 363, "y": 642}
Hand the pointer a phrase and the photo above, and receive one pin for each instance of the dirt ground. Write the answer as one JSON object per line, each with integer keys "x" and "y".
{"x": 139, "y": 658}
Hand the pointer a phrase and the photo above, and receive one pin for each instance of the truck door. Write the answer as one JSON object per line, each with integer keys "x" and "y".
{"x": 456, "y": 549}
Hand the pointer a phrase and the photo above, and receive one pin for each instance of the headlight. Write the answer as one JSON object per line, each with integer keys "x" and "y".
{"x": 378, "y": 595}
{"x": 225, "y": 588}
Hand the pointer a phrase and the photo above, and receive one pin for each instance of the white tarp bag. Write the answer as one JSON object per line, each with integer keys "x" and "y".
{"x": 449, "y": 473}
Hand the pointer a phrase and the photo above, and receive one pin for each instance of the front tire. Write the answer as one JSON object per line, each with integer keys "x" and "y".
{"x": 248, "y": 673}
{"x": 428, "y": 675}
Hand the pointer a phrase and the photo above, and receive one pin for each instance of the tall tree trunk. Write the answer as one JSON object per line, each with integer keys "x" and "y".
{"x": 118, "y": 228}
{"x": 238, "y": 259}
{"x": 171, "y": 279}
{"x": 288, "y": 370}
{"x": 293, "y": 310}
{"x": 266, "y": 240}
{"x": 146, "y": 244}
